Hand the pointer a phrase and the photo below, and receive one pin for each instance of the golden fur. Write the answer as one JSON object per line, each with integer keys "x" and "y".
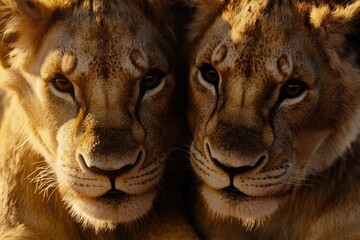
{"x": 87, "y": 119}
{"x": 274, "y": 108}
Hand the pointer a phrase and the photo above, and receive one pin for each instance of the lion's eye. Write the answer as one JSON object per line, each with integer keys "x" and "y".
{"x": 293, "y": 89}
{"x": 152, "y": 79}
{"x": 209, "y": 74}
{"x": 62, "y": 84}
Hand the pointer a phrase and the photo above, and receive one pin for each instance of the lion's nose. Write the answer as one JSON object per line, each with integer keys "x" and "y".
{"x": 239, "y": 165}
{"x": 100, "y": 164}
{"x": 113, "y": 174}
{"x": 233, "y": 171}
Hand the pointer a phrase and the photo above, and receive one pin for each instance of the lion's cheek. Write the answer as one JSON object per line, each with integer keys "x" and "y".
{"x": 306, "y": 148}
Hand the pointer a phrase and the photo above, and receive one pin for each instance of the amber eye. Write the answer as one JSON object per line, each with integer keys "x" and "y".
{"x": 152, "y": 79}
{"x": 209, "y": 74}
{"x": 293, "y": 89}
{"x": 61, "y": 84}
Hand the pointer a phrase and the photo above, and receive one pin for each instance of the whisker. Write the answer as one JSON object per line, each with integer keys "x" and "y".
{"x": 44, "y": 179}
{"x": 55, "y": 188}
{"x": 22, "y": 144}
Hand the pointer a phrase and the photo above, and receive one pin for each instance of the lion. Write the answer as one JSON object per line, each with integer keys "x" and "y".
{"x": 274, "y": 109}
{"x": 90, "y": 111}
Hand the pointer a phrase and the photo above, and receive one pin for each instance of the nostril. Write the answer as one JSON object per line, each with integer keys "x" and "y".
{"x": 82, "y": 163}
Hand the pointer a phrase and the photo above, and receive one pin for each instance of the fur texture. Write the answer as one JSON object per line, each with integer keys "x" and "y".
{"x": 89, "y": 90}
{"x": 275, "y": 114}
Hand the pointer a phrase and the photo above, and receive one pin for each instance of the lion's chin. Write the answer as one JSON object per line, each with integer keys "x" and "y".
{"x": 105, "y": 213}
{"x": 251, "y": 211}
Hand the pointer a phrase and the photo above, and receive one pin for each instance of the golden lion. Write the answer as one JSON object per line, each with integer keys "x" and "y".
{"x": 89, "y": 115}
{"x": 275, "y": 113}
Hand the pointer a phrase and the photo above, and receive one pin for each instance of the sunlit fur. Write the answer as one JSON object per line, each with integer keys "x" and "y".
{"x": 292, "y": 162}
{"x": 53, "y": 143}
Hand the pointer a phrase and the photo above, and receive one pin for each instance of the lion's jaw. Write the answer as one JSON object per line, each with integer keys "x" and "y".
{"x": 105, "y": 138}
{"x": 252, "y": 146}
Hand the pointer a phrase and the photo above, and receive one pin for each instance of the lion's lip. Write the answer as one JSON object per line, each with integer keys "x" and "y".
{"x": 114, "y": 196}
{"x": 235, "y": 194}
{"x": 232, "y": 192}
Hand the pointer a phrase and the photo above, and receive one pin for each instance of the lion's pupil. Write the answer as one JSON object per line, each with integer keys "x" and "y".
{"x": 152, "y": 79}
{"x": 209, "y": 74}
{"x": 63, "y": 85}
{"x": 212, "y": 75}
{"x": 293, "y": 90}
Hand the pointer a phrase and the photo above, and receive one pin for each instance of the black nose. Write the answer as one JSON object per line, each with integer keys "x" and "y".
{"x": 113, "y": 173}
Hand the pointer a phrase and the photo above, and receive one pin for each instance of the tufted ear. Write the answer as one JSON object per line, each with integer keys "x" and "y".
{"x": 338, "y": 28}
{"x": 22, "y": 23}
{"x": 205, "y": 13}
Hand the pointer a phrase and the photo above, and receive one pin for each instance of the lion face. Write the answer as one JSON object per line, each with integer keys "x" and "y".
{"x": 268, "y": 105}
{"x": 96, "y": 90}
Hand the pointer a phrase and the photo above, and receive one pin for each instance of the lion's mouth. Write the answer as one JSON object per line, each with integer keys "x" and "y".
{"x": 114, "y": 195}
{"x": 234, "y": 193}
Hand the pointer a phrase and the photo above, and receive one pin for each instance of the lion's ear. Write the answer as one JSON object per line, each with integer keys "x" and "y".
{"x": 338, "y": 28}
{"x": 22, "y": 23}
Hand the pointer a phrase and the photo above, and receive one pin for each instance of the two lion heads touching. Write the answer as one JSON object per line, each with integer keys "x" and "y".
{"x": 97, "y": 96}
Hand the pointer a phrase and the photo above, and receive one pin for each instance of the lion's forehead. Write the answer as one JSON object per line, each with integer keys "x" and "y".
{"x": 250, "y": 54}
{"x": 122, "y": 63}
{"x": 256, "y": 57}
{"x": 116, "y": 55}
{"x": 250, "y": 38}
{"x": 113, "y": 44}
{"x": 82, "y": 67}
